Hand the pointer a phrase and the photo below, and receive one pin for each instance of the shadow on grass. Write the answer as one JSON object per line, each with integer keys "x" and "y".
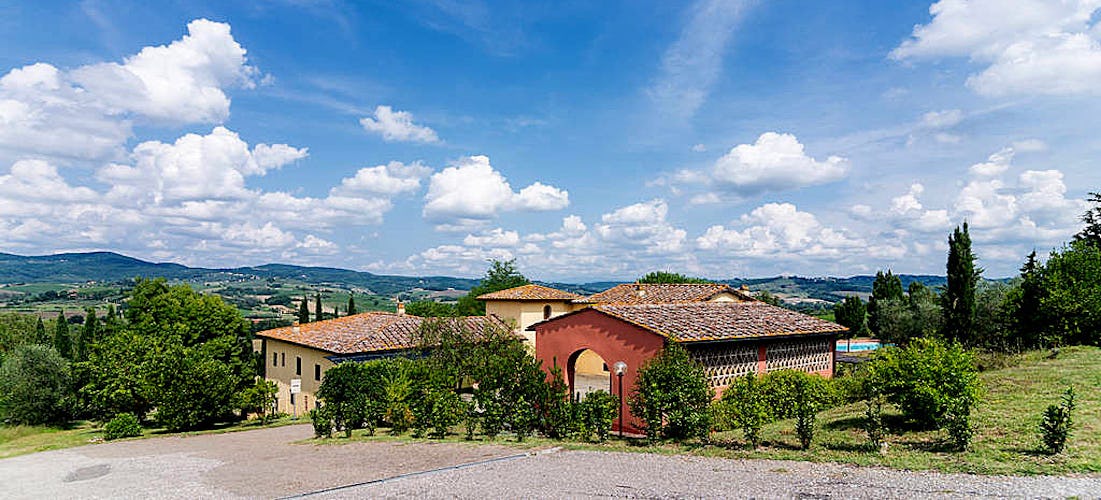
{"x": 849, "y": 447}
{"x": 1031, "y": 451}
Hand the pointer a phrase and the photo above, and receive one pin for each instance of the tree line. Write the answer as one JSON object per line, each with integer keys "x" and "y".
{"x": 176, "y": 357}
{"x": 1050, "y": 303}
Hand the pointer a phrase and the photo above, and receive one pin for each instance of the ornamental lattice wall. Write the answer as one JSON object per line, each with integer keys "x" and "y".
{"x": 724, "y": 362}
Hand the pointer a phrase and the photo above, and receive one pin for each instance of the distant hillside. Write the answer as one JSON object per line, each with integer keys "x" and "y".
{"x": 830, "y": 289}
{"x": 112, "y": 267}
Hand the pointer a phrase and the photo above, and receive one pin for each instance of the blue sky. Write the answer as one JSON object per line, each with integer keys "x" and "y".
{"x": 587, "y": 140}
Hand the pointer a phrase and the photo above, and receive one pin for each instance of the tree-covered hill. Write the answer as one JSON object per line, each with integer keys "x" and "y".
{"x": 112, "y": 267}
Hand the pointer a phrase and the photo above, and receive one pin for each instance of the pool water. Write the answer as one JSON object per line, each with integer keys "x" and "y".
{"x": 843, "y": 346}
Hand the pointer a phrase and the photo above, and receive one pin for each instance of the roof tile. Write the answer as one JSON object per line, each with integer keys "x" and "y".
{"x": 702, "y": 321}
{"x": 662, "y": 293}
{"x": 530, "y": 292}
{"x": 367, "y": 332}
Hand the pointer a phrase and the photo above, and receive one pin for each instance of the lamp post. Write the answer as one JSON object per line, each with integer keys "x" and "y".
{"x": 620, "y": 369}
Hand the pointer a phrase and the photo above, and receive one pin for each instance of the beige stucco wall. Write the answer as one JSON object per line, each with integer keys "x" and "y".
{"x": 283, "y": 370}
{"x": 523, "y": 314}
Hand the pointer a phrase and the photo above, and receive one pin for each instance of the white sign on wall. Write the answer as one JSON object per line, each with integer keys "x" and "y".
{"x": 296, "y": 385}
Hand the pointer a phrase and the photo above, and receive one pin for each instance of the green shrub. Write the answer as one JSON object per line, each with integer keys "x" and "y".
{"x": 672, "y": 397}
{"x": 957, "y": 423}
{"x": 810, "y": 396}
{"x": 34, "y": 386}
{"x": 1058, "y": 423}
{"x": 598, "y": 411}
{"x": 322, "y": 420}
{"x": 124, "y": 425}
{"x": 873, "y": 422}
{"x": 747, "y": 407}
{"x": 926, "y": 379}
{"x": 558, "y": 408}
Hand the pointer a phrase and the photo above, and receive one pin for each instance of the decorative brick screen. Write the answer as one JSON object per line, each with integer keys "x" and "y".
{"x": 802, "y": 355}
{"x": 723, "y": 364}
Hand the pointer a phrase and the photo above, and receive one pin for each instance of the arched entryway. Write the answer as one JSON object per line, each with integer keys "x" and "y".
{"x": 588, "y": 372}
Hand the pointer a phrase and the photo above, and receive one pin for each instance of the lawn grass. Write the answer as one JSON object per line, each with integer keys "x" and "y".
{"x": 1006, "y": 440}
{"x": 24, "y": 439}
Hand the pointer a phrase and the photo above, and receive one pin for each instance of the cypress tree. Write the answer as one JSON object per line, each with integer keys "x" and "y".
{"x": 959, "y": 294}
{"x": 303, "y": 312}
{"x": 110, "y": 321}
{"x": 40, "y": 333}
{"x": 63, "y": 343}
{"x": 351, "y": 304}
{"x": 320, "y": 314}
{"x": 1027, "y": 314}
{"x": 87, "y": 336}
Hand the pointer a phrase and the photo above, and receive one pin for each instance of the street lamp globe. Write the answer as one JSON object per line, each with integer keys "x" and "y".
{"x": 620, "y": 368}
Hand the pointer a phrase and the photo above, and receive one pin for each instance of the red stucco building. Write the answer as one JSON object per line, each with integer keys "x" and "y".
{"x": 730, "y": 338}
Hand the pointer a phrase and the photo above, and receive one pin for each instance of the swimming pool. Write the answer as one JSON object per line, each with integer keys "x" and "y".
{"x": 858, "y": 346}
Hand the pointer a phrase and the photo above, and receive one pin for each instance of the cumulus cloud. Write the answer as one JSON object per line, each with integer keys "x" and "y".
{"x": 392, "y": 178}
{"x": 1024, "y": 46}
{"x": 88, "y": 112}
{"x": 189, "y": 199}
{"x": 472, "y": 191}
{"x": 397, "y": 126}
{"x": 775, "y": 162}
{"x": 778, "y": 230}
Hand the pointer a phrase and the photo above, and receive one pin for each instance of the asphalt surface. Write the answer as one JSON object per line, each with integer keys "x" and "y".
{"x": 274, "y": 463}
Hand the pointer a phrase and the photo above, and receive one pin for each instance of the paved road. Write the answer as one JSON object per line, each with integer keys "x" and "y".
{"x": 270, "y": 463}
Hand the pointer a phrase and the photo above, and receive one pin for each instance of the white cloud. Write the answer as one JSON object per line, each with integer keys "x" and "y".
{"x": 994, "y": 165}
{"x": 392, "y": 178}
{"x": 778, "y": 230}
{"x": 942, "y": 119}
{"x": 275, "y": 156}
{"x": 178, "y": 82}
{"x": 776, "y": 162}
{"x": 88, "y": 112}
{"x": 190, "y": 200}
{"x": 1025, "y": 46}
{"x": 397, "y": 126}
{"x": 195, "y": 167}
{"x": 471, "y": 191}
{"x": 495, "y": 238}
{"x": 692, "y": 65}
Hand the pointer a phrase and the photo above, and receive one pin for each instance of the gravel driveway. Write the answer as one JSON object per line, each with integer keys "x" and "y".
{"x": 268, "y": 463}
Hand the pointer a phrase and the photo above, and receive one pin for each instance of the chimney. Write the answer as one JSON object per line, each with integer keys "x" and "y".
{"x": 638, "y": 289}
{"x": 744, "y": 288}
{"x": 295, "y": 328}
{"x": 401, "y": 309}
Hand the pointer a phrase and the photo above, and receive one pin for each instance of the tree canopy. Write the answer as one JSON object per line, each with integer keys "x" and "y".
{"x": 501, "y": 275}
{"x": 658, "y": 277}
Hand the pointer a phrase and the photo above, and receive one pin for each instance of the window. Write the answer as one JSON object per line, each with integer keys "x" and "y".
{"x": 298, "y": 365}
{"x": 546, "y": 311}
{"x": 274, "y": 359}
{"x": 317, "y": 372}
{"x": 284, "y": 358}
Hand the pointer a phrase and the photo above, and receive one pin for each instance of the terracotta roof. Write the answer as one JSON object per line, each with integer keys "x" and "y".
{"x": 701, "y": 321}
{"x": 367, "y": 332}
{"x": 662, "y": 293}
{"x": 530, "y": 292}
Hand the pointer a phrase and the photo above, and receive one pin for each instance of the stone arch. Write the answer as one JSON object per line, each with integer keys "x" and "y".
{"x": 587, "y": 371}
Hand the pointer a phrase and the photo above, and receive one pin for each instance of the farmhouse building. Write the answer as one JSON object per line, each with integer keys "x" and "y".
{"x": 526, "y": 305}
{"x": 301, "y": 354}
{"x": 725, "y": 329}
